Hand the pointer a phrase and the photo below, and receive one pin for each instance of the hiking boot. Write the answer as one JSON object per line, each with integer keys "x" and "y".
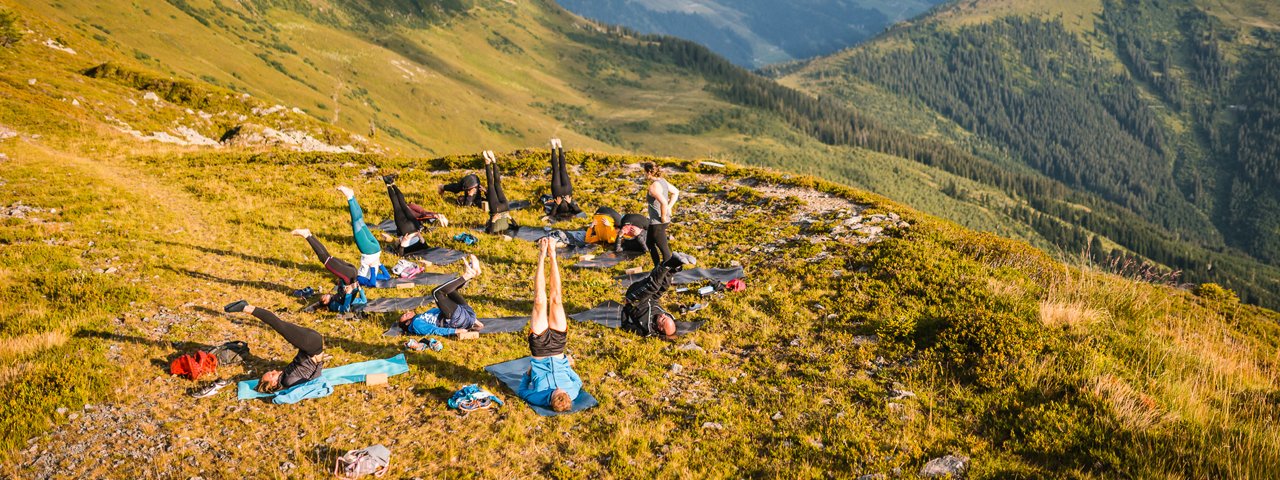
{"x": 680, "y": 260}
{"x": 211, "y": 389}
{"x": 236, "y": 306}
{"x": 468, "y": 335}
{"x": 390, "y": 178}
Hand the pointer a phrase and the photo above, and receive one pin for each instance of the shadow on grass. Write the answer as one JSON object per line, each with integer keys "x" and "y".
{"x": 259, "y": 284}
{"x": 180, "y": 348}
{"x": 275, "y": 262}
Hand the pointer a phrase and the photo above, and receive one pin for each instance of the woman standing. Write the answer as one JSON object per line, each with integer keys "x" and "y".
{"x": 660, "y": 200}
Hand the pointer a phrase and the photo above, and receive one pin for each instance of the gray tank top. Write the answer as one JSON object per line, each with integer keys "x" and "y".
{"x": 655, "y": 208}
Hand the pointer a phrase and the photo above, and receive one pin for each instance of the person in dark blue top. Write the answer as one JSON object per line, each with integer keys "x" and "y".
{"x": 550, "y": 381}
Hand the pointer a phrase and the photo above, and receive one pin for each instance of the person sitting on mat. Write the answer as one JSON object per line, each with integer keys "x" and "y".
{"x": 306, "y": 365}
{"x": 661, "y": 197}
{"x": 371, "y": 269}
{"x": 347, "y": 295}
{"x": 499, "y": 209}
{"x": 561, "y": 205}
{"x": 408, "y": 220}
{"x": 632, "y": 234}
{"x": 452, "y": 315}
{"x": 467, "y": 189}
{"x": 643, "y": 313}
{"x": 604, "y": 226}
{"x": 550, "y": 381}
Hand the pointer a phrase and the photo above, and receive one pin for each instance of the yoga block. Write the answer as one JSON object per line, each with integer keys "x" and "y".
{"x": 634, "y": 270}
{"x": 588, "y": 256}
{"x": 375, "y": 379}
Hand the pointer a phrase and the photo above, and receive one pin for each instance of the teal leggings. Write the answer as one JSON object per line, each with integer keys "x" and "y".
{"x": 365, "y": 241}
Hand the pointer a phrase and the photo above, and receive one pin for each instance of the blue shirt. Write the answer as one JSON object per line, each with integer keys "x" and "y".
{"x": 425, "y": 324}
{"x": 545, "y": 376}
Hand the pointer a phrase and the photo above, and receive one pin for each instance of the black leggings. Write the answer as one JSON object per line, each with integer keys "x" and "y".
{"x": 659, "y": 251}
{"x": 406, "y": 221}
{"x": 306, "y": 340}
{"x": 345, "y": 272}
{"x": 448, "y": 298}
{"x": 494, "y": 194}
{"x": 561, "y": 186}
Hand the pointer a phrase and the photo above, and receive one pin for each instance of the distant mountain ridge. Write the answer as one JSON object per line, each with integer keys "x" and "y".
{"x": 755, "y": 33}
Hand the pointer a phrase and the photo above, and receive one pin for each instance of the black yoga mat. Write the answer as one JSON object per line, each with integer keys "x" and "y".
{"x": 685, "y": 277}
{"x": 608, "y": 260}
{"x": 387, "y": 305}
{"x": 437, "y": 255}
{"x": 421, "y": 279}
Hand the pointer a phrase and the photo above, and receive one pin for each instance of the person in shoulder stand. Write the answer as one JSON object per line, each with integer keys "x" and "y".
{"x": 306, "y": 365}
{"x": 452, "y": 315}
{"x": 643, "y": 313}
{"x": 550, "y": 381}
{"x": 561, "y": 205}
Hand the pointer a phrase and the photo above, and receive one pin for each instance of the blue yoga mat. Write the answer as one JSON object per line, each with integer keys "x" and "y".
{"x": 510, "y": 373}
{"x": 352, "y": 373}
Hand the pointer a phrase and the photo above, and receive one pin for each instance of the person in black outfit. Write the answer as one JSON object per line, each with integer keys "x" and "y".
{"x": 632, "y": 234}
{"x": 561, "y": 205}
{"x": 499, "y": 209}
{"x": 306, "y": 365}
{"x": 344, "y": 273}
{"x": 408, "y": 227}
{"x": 468, "y": 190}
{"x": 643, "y": 313}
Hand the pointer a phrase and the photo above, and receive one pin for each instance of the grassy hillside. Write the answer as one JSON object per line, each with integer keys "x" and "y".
{"x": 1162, "y": 111}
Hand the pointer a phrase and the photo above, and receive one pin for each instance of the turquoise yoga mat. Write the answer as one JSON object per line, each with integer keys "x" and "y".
{"x": 352, "y": 373}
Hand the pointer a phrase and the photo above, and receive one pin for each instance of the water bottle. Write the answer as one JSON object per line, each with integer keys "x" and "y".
{"x": 415, "y": 345}
{"x": 434, "y": 345}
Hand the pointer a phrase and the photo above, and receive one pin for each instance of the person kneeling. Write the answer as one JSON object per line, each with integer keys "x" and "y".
{"x": 550, "y": 381}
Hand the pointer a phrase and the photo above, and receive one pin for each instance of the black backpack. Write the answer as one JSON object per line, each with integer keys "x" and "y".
{"x": 230, "y": 353}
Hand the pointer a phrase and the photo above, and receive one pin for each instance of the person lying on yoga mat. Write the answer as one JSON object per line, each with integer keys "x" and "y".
{"x": 452, "y": 315}
{"x": 632, "y": 234}
{"x": 643, "y": 313}
{"x": 371, "y": 268}
{"x": 499, "y": 209}
{"x": 550, "y": 381}
{"x": 409, "y": 220}
{"x": 467, "y": 189}
{"x": 662, "y": 196}
{"x": 604, "y": 226}
{"x": 347, "y": 293}
{"x": 306, "y": 365}
{"x": 561, "y": 205}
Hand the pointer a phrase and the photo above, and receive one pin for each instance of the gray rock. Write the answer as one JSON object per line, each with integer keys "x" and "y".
{"x": 777, "y": 416}
{"x": 873, "y": 476}
{"x": 676, "y": 368}
{"x": 712, "y": 426}
{"x": 900, "y": 394}
{"x": 948, "y": 466}
{"x": 690, "y": 347}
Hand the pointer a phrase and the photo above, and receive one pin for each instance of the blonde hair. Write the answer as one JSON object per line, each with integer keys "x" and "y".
{"x": 560, "y": 401}
{"x": 264, "y": 387}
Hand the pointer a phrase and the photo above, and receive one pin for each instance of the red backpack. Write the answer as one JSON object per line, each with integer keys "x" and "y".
{"x": 194, "y": 365}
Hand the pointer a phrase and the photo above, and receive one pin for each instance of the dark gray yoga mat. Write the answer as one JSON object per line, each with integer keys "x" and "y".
{"x": 608, "y": 260}
{"x": 609, "y": 314}
{"x": 511, "y": 374}
{"x": 388, "y": 226}
{"x": 421, "y": 279}
{"x": 685, "y": 277}
{"x": 387, "y": 305}
{"x": 437, "y": 255}
{"x": 503, "y": 325}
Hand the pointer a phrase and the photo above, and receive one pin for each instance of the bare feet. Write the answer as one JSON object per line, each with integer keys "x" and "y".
{"x": 555, "y": 143}
{"x": 302, "y": 232}
{"x": 471, "y": 267}
{"x": 476, "y": 327}
{"x": 347, "y": 191}
{"x": 442, "y": 220}
{"x": 489, "y": 157}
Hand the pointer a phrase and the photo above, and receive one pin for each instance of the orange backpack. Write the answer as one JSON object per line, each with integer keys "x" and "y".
{"x": 194, "y": 365}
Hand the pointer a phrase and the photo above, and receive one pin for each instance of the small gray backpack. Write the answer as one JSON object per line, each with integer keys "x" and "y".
{"x": 373, "y": 460}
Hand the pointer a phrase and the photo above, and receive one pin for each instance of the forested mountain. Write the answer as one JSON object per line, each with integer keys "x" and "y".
{"x": 1165, "y": 110}
{"x": 754, "y": 33}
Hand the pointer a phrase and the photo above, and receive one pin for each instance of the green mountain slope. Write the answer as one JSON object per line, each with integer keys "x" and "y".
{"x": 1163, "y": 111}
{"x": 872, "y": 338}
